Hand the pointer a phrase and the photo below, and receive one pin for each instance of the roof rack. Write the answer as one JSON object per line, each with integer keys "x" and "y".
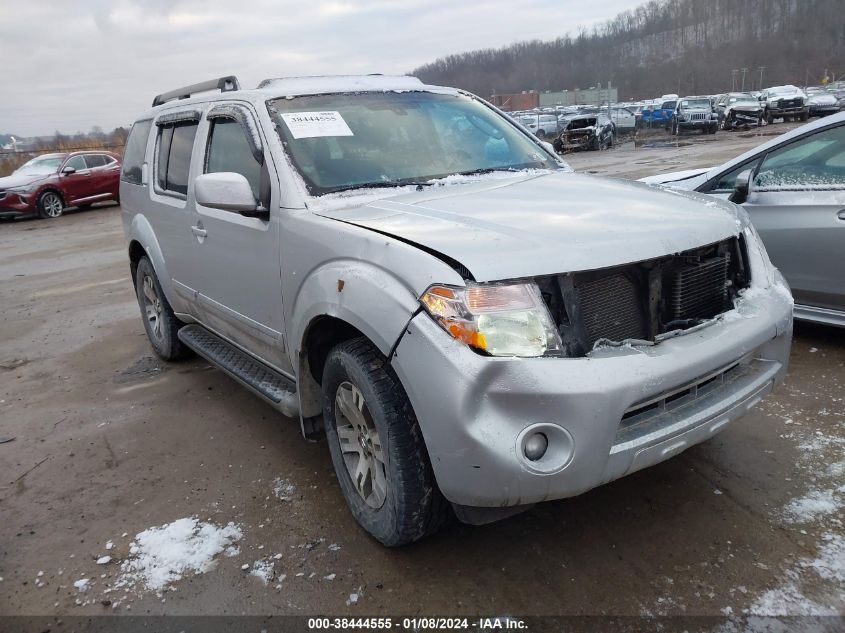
{"x": 224, "y": 84}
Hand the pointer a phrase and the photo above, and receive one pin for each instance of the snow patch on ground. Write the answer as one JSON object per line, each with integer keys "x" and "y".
{"x": 814, "y": 504}
{"x": 283, "y": 489}
{"x": 263, "y": 569}
{"x": 789, "y": 598}
{"x": 162, "y": 555}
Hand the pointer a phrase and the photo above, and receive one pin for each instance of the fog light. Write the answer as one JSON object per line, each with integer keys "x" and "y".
{"x": 535, "y": 446}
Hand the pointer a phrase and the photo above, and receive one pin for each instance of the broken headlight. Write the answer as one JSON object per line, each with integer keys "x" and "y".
{"x": 499, "y": 319}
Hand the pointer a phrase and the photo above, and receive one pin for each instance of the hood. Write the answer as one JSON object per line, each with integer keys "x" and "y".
{"x": 821, "y": 99}
{"x": 746, "y": 106}
{"x": 686, "y": 179}
{"x": 19, "y": 180}
{"x": 548, "y": 224}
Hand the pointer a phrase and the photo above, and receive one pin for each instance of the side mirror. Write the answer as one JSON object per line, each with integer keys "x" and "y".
{"x": 67, "y": 171}
{"x": 742, "y": 186}
{"x": 228, "y": 191}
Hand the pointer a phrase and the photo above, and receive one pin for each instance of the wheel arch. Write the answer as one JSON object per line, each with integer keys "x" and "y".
{"x": 142, "y": 242}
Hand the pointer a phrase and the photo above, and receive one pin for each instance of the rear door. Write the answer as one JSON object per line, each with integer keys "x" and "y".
{"x": 99, "y": 179}
{"x": 237, "y": 270}
{"x": 797, "y": 204}
{"x": 167, "y": 210}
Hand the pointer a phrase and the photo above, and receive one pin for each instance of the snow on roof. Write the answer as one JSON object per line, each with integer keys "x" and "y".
{"x": 292, "y": 86}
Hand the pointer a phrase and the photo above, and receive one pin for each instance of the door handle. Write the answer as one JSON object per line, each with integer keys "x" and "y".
{"x": 841, "y": 214}
{"x": 199, "y": 231}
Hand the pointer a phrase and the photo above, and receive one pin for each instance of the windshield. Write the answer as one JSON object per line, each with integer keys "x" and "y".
{"x": 695, "y": 103}
{"x": 742, "y": 99}
{"x": 40, "y": 165}
{"x": 348, "y": 141}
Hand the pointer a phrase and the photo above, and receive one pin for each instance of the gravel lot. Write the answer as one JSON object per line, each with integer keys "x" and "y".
{"x": 109, "y": 442}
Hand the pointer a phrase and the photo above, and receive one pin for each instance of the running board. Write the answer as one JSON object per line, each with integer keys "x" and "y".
{"x": 269, "y": 384}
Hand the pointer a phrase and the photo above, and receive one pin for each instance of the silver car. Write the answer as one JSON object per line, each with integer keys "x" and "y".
{"x": 793, "y": 187}
{"x": 418, "y": 279}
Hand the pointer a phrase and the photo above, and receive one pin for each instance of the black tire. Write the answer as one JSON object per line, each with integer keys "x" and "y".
{"x": 50, "y": 205}
{"x": 160, "y": 323}
{"x": 541, "y": 134}
{"x": 769, "y": 117}
{"x": 412, "y": 506}
{"x": 805, "y": 116}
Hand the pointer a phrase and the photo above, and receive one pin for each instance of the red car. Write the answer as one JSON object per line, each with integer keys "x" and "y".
{"x": 49, "y": 183}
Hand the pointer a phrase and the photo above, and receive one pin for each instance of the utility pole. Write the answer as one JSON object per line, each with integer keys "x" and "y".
{"x": 744, "y": 70}
{"x": 734, "y": 73}
{"x": 761, "y": 69}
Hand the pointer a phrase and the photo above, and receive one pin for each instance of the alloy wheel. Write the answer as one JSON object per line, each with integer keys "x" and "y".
{"x": 52, "y": 205}
{"x": 152, "y": 308}
{"x": 360, "y": 445}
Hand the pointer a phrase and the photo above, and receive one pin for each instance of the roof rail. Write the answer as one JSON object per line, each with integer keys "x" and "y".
{"x": 224, "y": 84}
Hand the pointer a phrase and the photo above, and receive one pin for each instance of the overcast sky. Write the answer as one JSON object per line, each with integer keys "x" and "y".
{"x": 71, "y": 64}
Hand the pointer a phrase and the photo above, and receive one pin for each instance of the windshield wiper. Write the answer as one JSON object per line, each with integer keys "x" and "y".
{"x": 381, "y": 184}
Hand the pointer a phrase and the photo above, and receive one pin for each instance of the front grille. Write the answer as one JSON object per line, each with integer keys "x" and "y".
{"x": 790, "y": 103}
{"x": 666, "y": 408}
{"x": 697, "y": 117}
{"x": 643, "y": 300}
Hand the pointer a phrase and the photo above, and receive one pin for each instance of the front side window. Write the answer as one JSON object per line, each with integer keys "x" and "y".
{"x": 77, "y": 162}
{"x": 383, "y": 139}
{"x": 175, "y": 146}
{"x": 133, "y": 154}
{"x": 815, "y": 161}
{"x": 229, "y": 150}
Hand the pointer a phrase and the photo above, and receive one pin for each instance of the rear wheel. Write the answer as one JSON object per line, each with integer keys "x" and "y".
{"x": 160, "y": 323}
{"x": 50, "y": 205}
{"x": 377, "y": 447}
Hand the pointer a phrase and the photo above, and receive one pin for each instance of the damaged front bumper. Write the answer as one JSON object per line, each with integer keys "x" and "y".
{"x": 607, "y": 415}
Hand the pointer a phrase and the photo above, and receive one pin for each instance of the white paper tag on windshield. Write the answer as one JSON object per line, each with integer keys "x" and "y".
{"x": 313, "y": 124}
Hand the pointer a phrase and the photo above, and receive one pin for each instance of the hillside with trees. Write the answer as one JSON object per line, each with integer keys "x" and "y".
{"x": 683, "y": 46}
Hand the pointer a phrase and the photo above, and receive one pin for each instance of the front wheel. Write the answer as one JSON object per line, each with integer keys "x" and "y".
{"x": 377, "y": 447}
{"x": 769, "y": 118}
{"x": 805, "y": 116}
{"x": 50, "y": 205}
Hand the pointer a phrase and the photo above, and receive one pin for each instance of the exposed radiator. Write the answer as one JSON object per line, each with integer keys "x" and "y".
{"x": 612, "y": 308}
{"x": 699, "y": 291}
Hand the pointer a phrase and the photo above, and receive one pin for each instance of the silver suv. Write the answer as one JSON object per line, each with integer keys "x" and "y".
{"x": 420, "y": 280}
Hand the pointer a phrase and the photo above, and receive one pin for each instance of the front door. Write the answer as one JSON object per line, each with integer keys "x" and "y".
{"x": 80, "y": 183}
{"x": 236, "y": 265}
{"x": 797, "y": 205}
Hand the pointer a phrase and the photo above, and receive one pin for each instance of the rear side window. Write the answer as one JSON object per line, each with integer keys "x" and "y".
{"x": 95, "y": 160}
{"x": 175, "y": 145}
{"x": 133, "y": 155}
{"x": 229, "y": 150}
